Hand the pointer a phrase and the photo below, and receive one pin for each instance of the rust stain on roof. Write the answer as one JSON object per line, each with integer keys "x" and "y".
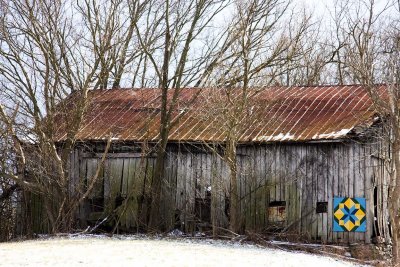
{"x": 277, "y": 114}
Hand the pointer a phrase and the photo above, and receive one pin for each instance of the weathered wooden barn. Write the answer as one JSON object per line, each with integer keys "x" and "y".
{"x": 311, "y": 165}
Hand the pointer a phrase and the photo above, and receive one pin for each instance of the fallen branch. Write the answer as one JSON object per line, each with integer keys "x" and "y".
{"x": 229, "y": 231}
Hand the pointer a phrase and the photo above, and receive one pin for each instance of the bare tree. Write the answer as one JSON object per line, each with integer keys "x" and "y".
{"x": 175, "y": 61}
{"x": 44, "y": 57}
{"x": 371, "y": 56}
{"x": 258, "y": 55}
{"x": 310, "y": 65}
{"x": 110, "y": 30}
{"x": 356, "y": 26}
{"x": 8, "y": 188}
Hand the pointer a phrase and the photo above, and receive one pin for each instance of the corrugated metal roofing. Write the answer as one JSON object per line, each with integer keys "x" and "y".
{"x": 274, "y": 114}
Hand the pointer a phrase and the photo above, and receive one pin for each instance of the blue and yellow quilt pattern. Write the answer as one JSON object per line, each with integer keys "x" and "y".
{"x": 349, "y": 214}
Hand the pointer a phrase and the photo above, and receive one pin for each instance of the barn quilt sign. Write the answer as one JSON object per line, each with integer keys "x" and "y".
{"x": 349, "y": 214}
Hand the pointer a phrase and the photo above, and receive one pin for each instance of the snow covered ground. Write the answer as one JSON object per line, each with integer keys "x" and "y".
{"x": 134, "y": 251}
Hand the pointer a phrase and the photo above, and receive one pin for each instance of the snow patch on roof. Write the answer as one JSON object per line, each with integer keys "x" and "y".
{"x": 332, "y": 135}
{"x": 279, "y": 137}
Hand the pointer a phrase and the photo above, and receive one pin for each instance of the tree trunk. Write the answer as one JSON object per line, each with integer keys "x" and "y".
{"x": 234, "y": 212}
{"x": 235, "y": 220}
{"x": 155, "y": 220}
{"x": 394, "y": 220}
{"x": 394, "y": 192}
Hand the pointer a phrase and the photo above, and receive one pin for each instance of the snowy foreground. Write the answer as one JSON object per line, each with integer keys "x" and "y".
{"x": 134, "y": 251}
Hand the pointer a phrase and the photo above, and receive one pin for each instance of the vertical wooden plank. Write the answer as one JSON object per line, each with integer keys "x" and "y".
{"x": 283, "y": 166}
{"x": 265, "y": 154}
{"x": 291, "y": 190}
{"x": 278, "y": 173}
{"x": 205, "y": 174}
{"x": 189, "y": 196}
{"x": 92, "y": 164}
{"x": 129, "y": 213}
{"x": 196, "y": 163}
{"x": 385, "y": 204}
{"x": 346, "y": 180}
{"x": 170, "y": 188}
{"x": 70, "y": 168}
{"x": 256, "y": 181}
{"x": 351, "y": 193}
{"x": 180, "y": 193}
{"x": 249, "y": 190}
{"x": 302, "y": 186}
{"x": 342, "y": 190}
{"x": 321, "y": 180}
{"x": 248, "y": 185}
{"x": 360, "y": 179}
{"x": 132, "y": 180}
{"x": 75, "y": 178}
{"x": 325, "y": 173}
{"x": 164, "y": 209}
{"x": 354, "y": 173}
{"x": 117, "y": 175}
{"x": 251, "y": 182}
{"x": 358, "y": 184}
{"x": 83, "y": 206}
{"x": 307, "y": 189}
{"x": 369, "y": 192}
{"x": 196, "y": 160}
{"x": 272, "y": 191}
{"x": 124, "y": 213}
{"x": 329, "y": 193}
{"x": 374, "y": 155}
{"x": 385, "y": 186}
{"x": 239, "y": 180}
{"x": 207, "y": 161}
{"x": 335, "y": 185}
{"x": 173, "y": 163}
{"x": 259, "y": 201}
{"x": 311, "y": 191}
{"x": 213, "y": 184}
{"x": 185, "y": 176}
{"x": 224, "y": 187}
{"x": 77, "y": 159}
{"x": 125, "y": 177}
{"x": 216, "y": 189}
{"x": 298, "y": 185}
{"x": 315, "y": 161}
{"x": 254, "y": 173}
{"x": 106, "y": 183}
{"x": 305, "y": 222}
{"x": 141, "y": 184}
{"x": 263, "y": 192}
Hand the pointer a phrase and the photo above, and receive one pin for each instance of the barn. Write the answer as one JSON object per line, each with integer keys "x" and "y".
{"x": 311, "y": 165}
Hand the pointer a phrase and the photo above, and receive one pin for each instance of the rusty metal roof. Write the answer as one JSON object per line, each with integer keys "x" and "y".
{"x": 273, "y": 114}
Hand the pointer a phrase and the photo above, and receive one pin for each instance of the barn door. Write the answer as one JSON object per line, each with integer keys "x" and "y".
{"x": 118, "y": 190}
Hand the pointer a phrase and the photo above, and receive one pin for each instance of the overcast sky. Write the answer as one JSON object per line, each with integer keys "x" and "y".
{"x": 322, "y": 7}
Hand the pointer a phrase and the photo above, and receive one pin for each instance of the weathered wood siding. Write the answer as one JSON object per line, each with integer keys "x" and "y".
{"x": 299, "y": 175}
